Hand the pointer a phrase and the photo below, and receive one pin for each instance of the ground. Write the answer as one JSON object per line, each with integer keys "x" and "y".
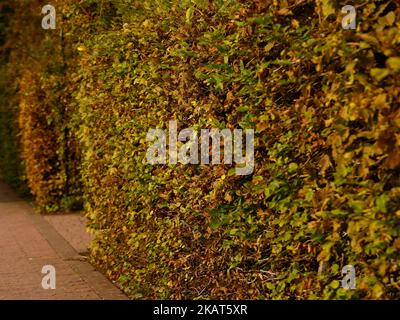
{"x": 29, "y": 241}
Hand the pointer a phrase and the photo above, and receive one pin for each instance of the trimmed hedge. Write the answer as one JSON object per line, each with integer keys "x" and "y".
{"x": 46, "y": 144}
{"x": 10, "y": 168}
{"x": 324, "y": 105}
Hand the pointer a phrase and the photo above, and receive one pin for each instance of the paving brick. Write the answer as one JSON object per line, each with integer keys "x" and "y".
{"x": 27, "y": 243}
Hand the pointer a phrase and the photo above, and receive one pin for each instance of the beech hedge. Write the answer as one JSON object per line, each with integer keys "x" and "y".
{"x": 323, "y": 101}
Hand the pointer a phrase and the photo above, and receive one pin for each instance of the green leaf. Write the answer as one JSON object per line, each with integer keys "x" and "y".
{"x": 334, "y": 284}
{"x": 292, "y": 167}
{"x": 189, "y": 15}
{"x": 381, "y": 203}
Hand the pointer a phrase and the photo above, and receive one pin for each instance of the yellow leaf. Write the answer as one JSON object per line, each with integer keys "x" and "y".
{"x": 228, "y": 197}
{"x": 269, "y": 46}
{"x": 327, "y": 8}
{"x": 189, "y": 15}
{"x": 379, "y": 73}
{"x": 334, "y": 284}
{"x": 324, "y": 164}
{"x": 380, "y": 101}
{"x": 393, "y": 63}
{"x": 328, "y": 122}
{"x": 390, "y": 18}
{"x": 378, "y": 291}
{"x": 261, "y": 126}
{"x": 284, "y": 12}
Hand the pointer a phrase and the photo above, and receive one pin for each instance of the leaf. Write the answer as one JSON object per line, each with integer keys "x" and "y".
{"x": 380, "y": 101}
{"x": 390, "y": 18}
{"x": 387, "y": 20}
{"x": 292, "y": 167}
{"x": 334, "y": 284}
{"x": 379, "y": 73}
{"x": 324, "y": 163}
{"x": 327, "y": 8}
{"x": 233, "y": 231}
{"x": 189, "y": 15}
{"x": 393, "y": 63}
{"x": 261, "y": 126}
{"x": 378, "y": 290}
{"x": 201, "y": 3}
{"x": 381, "y": 203}
{"x": 284, "y": 12}
{"x": 269, "y": 46}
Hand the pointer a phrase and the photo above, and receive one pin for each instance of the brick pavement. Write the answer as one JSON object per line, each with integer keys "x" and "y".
{"x": 27, "y": 243}
{"x": 72, "y": 227}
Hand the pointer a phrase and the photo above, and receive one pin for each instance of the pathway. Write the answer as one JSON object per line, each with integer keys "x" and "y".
{"x": 27, "y": 243}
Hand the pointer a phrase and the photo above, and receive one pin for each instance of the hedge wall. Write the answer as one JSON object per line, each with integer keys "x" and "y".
{"x": 323, "y": 101}
{"x": 39, "y": 106}
{"x": 11, "y": 170}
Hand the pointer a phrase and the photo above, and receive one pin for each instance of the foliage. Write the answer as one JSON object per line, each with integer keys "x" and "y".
{"x": 38, "y": 61}
{"x": 322, "y": 100}
{"x": 10, "y": 168}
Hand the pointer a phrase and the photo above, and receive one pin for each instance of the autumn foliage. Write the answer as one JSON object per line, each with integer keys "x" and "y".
{"x": 324, "y": 104}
